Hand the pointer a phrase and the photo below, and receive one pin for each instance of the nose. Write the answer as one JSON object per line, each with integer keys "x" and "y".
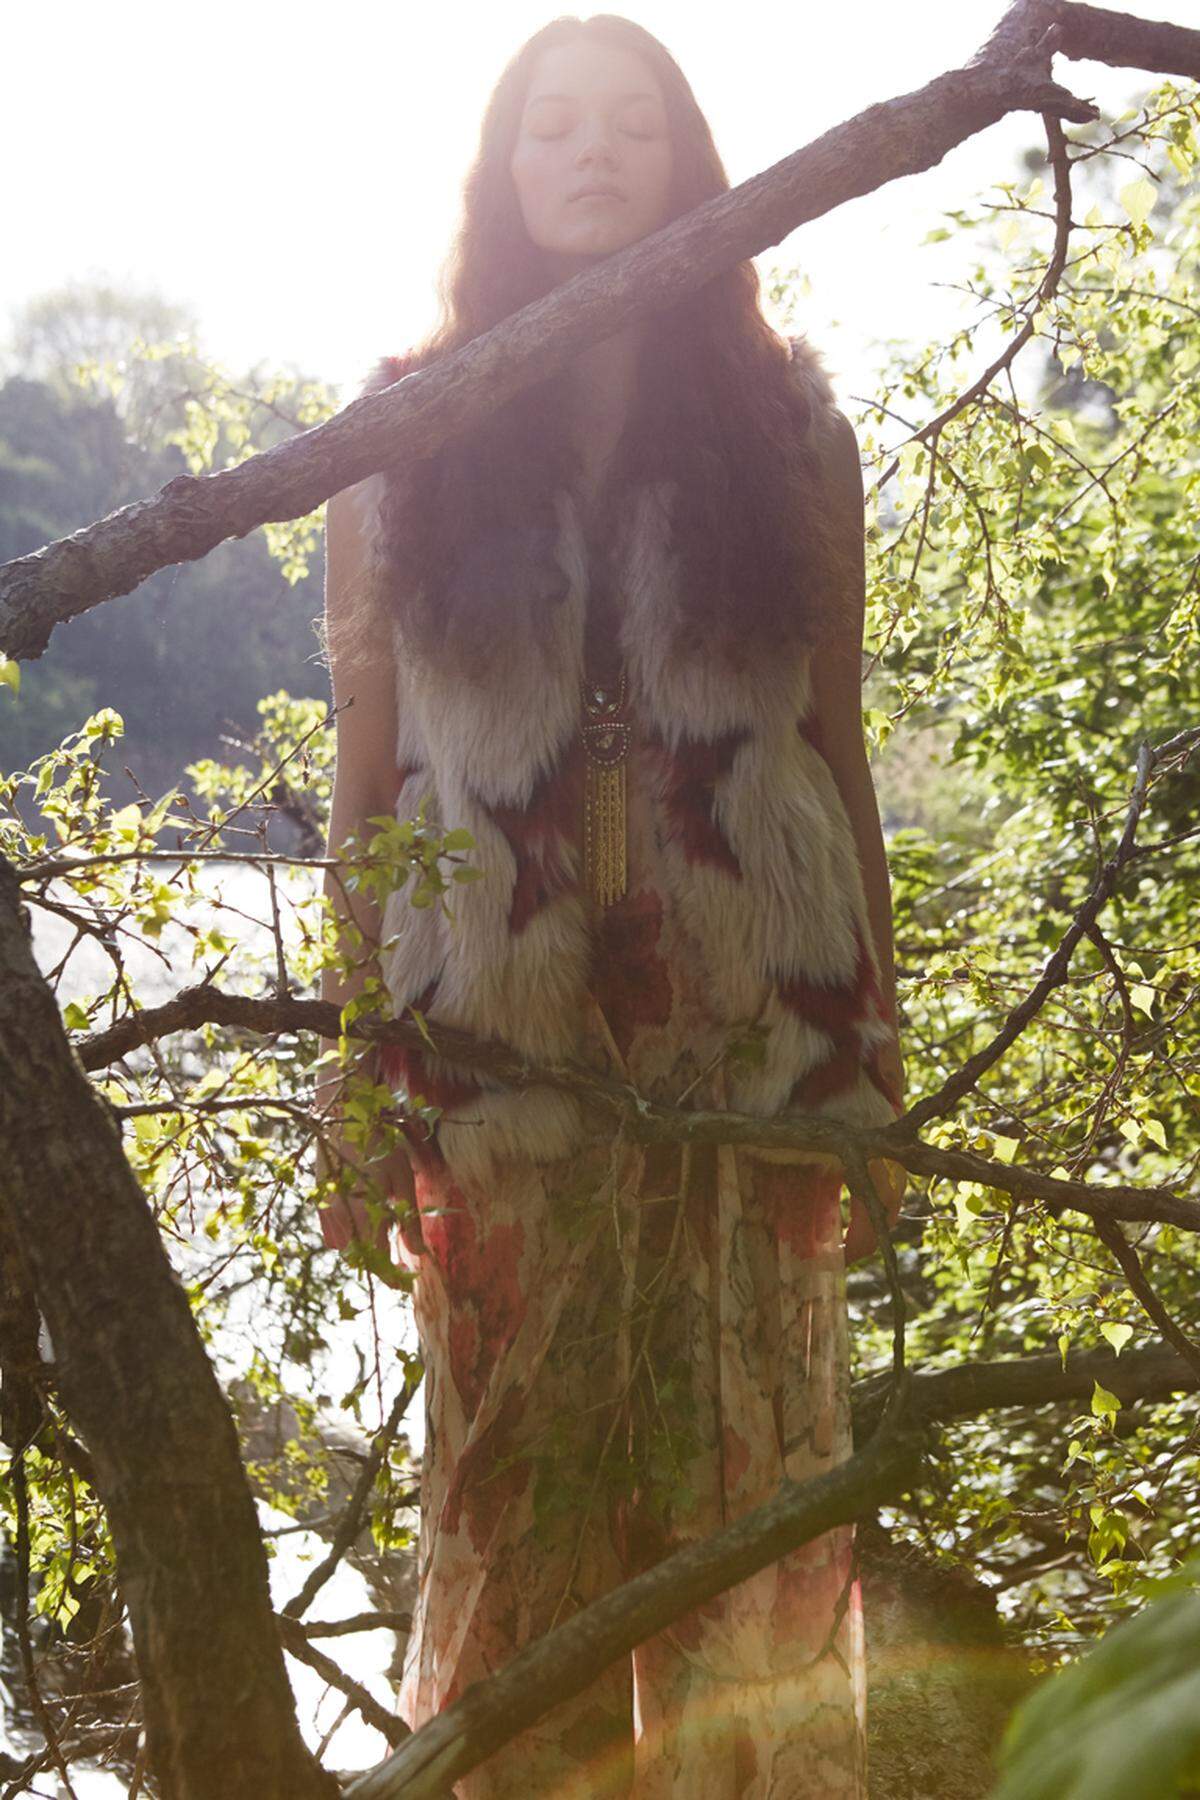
{"x": 597, "y": 147}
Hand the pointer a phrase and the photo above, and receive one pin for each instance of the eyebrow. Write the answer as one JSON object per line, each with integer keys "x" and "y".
{"x": 536, "y": 101}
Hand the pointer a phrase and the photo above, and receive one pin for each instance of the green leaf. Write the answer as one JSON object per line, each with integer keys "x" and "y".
{"x": 1122, "y": 1723}
{"x": 1118, "y": 1336}
{"x": 157, "y": 814}
{"x": 969, "y": 1202}
{"x": 1138, "y": 199}
{"x": 1104, "y": 1404}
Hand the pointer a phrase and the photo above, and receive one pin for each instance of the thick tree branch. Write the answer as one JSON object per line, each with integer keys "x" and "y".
{"x": 642, "y": 1120}
{"x": 413, "y": 418}
{"x": 1125, "y": 42}
{"x": 563, "y": 1662}
{"x": 135, "y": 1379}
{"x": 937, "y": 1396}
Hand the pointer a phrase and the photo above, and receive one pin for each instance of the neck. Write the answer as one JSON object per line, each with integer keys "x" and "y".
{"x": 603, "y": 381}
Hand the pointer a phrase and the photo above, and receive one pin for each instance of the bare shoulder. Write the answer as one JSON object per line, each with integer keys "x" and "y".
{"x": 830, "y": 433}
{"x": 346, "y": 545}
{"x": 840, "y": 459}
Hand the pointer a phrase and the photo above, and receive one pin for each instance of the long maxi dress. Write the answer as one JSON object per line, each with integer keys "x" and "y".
{"x": 628, "y": 1346}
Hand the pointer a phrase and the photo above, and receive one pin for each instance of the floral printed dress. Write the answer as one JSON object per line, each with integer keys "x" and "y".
{"x": 625, "y": 1351}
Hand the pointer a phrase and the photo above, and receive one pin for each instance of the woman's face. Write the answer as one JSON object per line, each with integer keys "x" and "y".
{"x": 593, "y": 118}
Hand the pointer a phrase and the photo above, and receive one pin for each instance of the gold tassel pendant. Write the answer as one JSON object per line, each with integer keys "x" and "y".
{"x": 606, "y": 734}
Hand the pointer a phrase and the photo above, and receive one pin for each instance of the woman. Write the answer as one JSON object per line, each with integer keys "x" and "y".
{"x": 616, "y": 635}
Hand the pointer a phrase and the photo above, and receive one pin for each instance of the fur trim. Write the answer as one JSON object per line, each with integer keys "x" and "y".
{"x": 764, "y": 878}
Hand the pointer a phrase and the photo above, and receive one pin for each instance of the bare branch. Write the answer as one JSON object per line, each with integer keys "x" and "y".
{"x": 643, "y": 1120}
{"x": 296, "y": 1641}
{"x": 967, "y": 1075}
{"x": 1111, "y": 1234}
{"x": 351, "y": 1522}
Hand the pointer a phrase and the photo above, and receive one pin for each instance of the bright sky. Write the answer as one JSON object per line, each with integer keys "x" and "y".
{"x": 292, "y": 172}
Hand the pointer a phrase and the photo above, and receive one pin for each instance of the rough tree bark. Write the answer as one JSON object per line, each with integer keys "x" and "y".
{"x": 134, "y": 1378}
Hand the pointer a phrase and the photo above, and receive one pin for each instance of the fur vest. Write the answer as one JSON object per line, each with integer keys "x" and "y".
{"x": 752, "y": 845}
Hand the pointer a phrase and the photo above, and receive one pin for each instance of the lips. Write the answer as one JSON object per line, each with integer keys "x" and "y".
{"x": 598, "y": 193}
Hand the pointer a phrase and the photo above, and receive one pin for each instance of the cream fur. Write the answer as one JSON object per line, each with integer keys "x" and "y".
{"x": 794, "y": 911}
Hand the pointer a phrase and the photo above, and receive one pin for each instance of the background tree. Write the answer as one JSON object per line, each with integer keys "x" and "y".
{"x": 108, "y": 397}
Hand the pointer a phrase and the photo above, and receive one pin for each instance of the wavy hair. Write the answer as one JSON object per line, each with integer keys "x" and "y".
{"x": 716, "y": 412}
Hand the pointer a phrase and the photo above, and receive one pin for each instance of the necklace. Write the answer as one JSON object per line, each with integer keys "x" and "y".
{"x": 606, "y": 732}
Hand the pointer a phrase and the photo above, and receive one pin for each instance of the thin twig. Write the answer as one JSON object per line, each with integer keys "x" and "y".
{"x": 352, "y": 1518}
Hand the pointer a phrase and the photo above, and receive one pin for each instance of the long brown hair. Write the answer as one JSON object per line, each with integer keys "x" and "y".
{"x": 716, "y": 412}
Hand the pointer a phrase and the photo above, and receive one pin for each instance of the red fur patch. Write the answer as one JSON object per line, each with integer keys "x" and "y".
{"x": 629, "y": 977}
{"x": 837, "y": 1009}
{"x": 539, "y": 834}
{"x": 689, "y": 775}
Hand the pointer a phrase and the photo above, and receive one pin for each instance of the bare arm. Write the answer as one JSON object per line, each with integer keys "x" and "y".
{"x": 838, "y": 699}
{"x": 365, "y": 780}
{"x": 839, "y": 715}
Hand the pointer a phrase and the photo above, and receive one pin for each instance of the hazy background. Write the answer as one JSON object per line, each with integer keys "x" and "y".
{"x": 292, "y": 172}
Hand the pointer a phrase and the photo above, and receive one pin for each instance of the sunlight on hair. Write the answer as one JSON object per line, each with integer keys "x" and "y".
{"x": 318, "y": 242}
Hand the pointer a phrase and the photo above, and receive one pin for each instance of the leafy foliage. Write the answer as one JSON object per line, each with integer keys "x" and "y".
{"x": 1032, "y": 622}
{"x": 1123, "y": 1721}
{"x": 1033, "y": 618}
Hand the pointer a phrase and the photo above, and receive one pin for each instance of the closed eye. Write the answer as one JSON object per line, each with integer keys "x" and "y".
{"x": 548, "y": 136}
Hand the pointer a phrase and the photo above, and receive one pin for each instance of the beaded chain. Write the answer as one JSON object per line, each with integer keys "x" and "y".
{"x": 606, "y": 733}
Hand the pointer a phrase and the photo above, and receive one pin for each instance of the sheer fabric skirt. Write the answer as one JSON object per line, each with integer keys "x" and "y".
{"x": 624, "y": 1352}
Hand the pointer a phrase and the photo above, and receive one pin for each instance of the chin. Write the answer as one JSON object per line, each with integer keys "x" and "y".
{"x": 600, "y": 243}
